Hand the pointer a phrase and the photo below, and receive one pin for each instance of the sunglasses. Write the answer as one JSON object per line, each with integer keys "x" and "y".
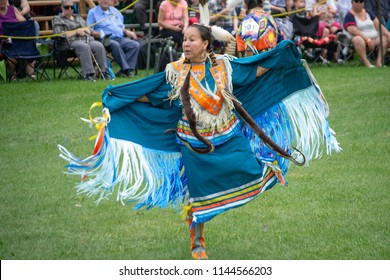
{"x": 68, "y": 7}
{"x": 358, "y": 1}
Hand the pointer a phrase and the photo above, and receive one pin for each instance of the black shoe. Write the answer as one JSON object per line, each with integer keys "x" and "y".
{"x": 90, "y": 78}
{"x": 129, "y": 73}
{"x": 108, "y": 77}
{"x": 121, "y": 74}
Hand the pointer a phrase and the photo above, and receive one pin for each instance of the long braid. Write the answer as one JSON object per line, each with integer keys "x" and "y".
{"x": 191, "y": 117}
{"x": 258, "y": 131}
{"x": 263, "y": 136}
{"x": 213, "y": 59}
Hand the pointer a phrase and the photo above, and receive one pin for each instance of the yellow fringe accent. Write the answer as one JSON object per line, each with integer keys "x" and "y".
{"x": 185, "y": 211}
{"x": 98, "y": 122}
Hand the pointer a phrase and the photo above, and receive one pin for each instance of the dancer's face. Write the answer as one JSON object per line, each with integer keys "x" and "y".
{"x": 193, "y": 45}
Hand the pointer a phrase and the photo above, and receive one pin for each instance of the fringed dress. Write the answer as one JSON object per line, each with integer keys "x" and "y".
{"x": 134, "y": 159}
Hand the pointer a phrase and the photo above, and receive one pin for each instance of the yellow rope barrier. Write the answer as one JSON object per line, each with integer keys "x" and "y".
{"x": 64, "y": 33}
{"x": 275, "y": 15}
{"x": 129, "y": 6}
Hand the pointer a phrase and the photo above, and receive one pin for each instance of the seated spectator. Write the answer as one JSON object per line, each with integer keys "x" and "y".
{"x": 305, "y": 27}
{"x": 363, "y": 27}
{"x": 223, "y": 16}
{"x": 300, "y": 8}
{"x": 108, "y": 20}
{"x": 258, "y": 31}
{"x": 173, "y": 19}
{"x": 279, "y": 7}
{"x": 302, "y": 18}
{"x": 11, "y": 14}
{"x": 328, "y": 24}
{"x": 331, "y": 14}
{"x": 80, "y": 38}
{"x": 24, "y": 8}
{"x": 327, "y": 13}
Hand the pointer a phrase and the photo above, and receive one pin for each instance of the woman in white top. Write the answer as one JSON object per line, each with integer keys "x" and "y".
{"x": 363, "y": 26}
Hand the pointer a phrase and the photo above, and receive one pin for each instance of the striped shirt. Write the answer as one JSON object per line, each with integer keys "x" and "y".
{"x": 62, "y": 24}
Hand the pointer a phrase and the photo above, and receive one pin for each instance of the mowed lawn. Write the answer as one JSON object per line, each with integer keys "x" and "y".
{"x": 336, "y": 208}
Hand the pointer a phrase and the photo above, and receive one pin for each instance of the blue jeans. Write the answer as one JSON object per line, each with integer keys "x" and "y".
{"x": 125, "y": 52}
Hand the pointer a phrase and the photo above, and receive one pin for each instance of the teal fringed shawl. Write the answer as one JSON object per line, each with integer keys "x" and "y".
{"x": 144, "y": 123}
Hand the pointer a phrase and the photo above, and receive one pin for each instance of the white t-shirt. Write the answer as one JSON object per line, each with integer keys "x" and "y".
{"x": 367, "y": 27}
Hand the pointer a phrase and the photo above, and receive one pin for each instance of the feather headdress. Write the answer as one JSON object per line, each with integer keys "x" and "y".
{"x": 218, "y": 33}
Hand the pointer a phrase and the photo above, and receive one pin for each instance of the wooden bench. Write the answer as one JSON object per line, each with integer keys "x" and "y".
{"x": 45, "y": 21}
{"x": 137, "y": 26}
{"x": 132, "y": 26}
{"x": 44, "y": 25}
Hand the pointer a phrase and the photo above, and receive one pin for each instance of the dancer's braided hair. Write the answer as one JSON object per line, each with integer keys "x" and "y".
{"x": 205, "y": 34}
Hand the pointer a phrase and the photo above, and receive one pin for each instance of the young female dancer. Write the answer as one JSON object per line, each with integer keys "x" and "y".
{"x": 196, "y": 140}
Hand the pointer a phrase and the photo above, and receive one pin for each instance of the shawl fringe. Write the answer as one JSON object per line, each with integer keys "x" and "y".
{"x": 152, "y": 178}
{"x": 298, "y": 121}
{"x": 137, "y": 174}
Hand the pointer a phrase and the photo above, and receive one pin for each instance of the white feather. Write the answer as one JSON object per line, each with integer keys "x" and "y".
{"x": 204, "y": 13}
{"x": 218, "y": 33}
{"x": 221, "y": 34}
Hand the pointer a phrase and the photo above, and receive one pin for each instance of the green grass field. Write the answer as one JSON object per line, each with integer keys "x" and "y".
{"x": 336, "y": 208}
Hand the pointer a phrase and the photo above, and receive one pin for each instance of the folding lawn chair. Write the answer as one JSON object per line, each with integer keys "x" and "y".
{"x": 3, "y": 71}
{"x": 65, "y": 58}
{"x": 22, "y": 49}
{"x": 348, "y": 49}
{"x": 305, "y": 37}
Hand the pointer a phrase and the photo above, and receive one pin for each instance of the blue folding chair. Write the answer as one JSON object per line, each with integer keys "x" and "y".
{"x": 22, "y": 49}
